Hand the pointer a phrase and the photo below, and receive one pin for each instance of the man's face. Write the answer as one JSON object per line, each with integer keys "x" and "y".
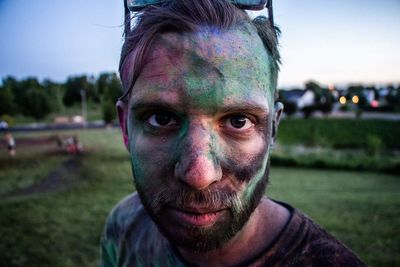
{"x": 199, "y": 127}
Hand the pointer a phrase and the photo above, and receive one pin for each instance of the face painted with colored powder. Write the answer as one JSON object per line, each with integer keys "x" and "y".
{"x": 200, "y": 125}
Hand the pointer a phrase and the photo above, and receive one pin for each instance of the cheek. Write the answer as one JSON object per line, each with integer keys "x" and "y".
{"x": 246, "y": 155}
{"x": 152, "y": 162}
{"x": 252, "y": 148}
{"x": 259, "y": 176}
{"x": 246, "y": 162}
{"x": 249, "y": 166}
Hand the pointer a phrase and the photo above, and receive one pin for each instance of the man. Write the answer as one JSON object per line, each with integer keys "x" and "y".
{"x": 199, "y": 118}
{"x": 10, "y": 144}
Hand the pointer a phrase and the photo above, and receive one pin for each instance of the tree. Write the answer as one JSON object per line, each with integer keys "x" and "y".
{"x": 114, "y": 88}
{"x": 111, "y": 93}
{"x": 393, "y": 96}
{"x": 289, "y": 106}
{"x": 108, "y": 110}
{"x": 315, "y": 88}
{"x": 55, "y": 93}
{"x": 109, "y": 85}
{"x": 7, "y": 105}
{"x": 73, "y": 88}
{"x": 19, "y": 89}
{"x": 37, "y": 103}
{"x": 102, "y": 82}
{"x": 323, "y": 99}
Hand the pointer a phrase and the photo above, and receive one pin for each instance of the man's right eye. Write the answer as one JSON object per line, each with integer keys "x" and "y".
{"x": 163, "y": 120}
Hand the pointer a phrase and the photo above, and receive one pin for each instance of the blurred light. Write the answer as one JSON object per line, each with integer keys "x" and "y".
{"x": 355, "y": 99}
{"x": 374, "y": 103}
{"x": 342, "y": 100}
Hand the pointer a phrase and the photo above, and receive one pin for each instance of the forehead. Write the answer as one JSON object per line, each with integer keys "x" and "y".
{"x": 212, "y": 64}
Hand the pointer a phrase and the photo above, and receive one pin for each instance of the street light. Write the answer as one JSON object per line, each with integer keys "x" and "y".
{"x": 355, "y": 99}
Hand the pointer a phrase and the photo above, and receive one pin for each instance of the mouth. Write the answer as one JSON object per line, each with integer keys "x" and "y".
{"x": 197, "y": 216}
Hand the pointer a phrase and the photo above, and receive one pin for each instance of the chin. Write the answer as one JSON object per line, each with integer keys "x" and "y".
{"x": 200, "y": 239}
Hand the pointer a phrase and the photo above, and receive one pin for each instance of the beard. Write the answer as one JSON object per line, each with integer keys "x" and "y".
{"x": 201, "y": 239}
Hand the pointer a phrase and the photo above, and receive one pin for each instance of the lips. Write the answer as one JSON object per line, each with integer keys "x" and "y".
{"x": 196, "y": 216}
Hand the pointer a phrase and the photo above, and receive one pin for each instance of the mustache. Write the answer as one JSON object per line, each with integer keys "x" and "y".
{"x": 208, "y": 199}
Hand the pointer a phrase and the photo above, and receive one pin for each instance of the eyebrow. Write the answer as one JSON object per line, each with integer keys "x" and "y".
{"x": 154, "y": 105}
{"x": 242, "y": 107}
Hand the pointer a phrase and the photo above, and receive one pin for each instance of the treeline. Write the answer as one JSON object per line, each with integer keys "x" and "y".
{"x": 32, "y": 98}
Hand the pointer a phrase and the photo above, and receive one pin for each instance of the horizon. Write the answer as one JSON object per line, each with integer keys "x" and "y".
{"x": 333, "y": 43}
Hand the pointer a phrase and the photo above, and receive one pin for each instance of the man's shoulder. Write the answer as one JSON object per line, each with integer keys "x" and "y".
{"x": 131, "y": 238}
{"x": 128, "y": 213}
{"x": 322, "y": 249}
{"x": 304, "y": 243}
{"x": 126, "y": 207}
{"x": 326, "y": 251}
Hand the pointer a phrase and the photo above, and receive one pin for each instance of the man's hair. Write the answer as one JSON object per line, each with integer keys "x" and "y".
{"x": 189, "y": 16}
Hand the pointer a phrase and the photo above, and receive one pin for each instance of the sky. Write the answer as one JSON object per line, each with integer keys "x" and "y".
{"x": 332, "y": 42}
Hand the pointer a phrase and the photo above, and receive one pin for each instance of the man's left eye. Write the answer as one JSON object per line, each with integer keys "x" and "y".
{"x": 238, "y": 122}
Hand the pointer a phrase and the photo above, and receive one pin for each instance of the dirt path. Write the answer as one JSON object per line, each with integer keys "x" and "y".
{"x": 62, "y": 177}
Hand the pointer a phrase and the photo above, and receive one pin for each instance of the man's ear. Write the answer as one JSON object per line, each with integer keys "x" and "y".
{"x": 277, "y": 117}
{"x": 122, "y": 111}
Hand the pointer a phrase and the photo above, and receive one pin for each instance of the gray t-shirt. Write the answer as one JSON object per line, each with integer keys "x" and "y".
{"x": 131, "y": 238}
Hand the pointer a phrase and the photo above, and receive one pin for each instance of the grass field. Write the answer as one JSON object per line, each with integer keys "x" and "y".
{"x": 341, "y": 133}
{"x": 62, "y": 226}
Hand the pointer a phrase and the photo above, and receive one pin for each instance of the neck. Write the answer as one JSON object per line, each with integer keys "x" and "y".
{"x": 262, "y": 228}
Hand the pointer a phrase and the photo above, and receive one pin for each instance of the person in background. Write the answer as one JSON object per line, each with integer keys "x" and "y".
{"x": 11, "y": 145}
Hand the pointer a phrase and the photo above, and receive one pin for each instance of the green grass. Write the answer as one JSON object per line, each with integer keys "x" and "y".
{"x": 360, "y": 209}
{"x": 19, "y": 173}
{"x": 336, "y": 159}
{"x": 63, "y": 229}
{"x": 93, "y": 111}
{"x": 339, "y": 133}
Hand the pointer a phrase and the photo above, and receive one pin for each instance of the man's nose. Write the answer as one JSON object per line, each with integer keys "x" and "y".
{"x": 198, "y": 165}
